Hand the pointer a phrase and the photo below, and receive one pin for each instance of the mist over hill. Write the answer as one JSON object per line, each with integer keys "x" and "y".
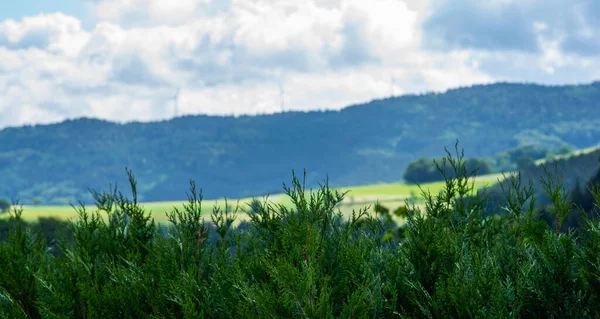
{"x": 253, "y": 155}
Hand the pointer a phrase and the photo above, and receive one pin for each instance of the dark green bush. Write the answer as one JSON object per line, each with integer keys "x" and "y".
{"x": 564, "y": 149}
{"x": 523, "y": 162}
{"x": 425, "y": 170}
{"x": 450, "y": 260}
{"x": 4, "y": 205}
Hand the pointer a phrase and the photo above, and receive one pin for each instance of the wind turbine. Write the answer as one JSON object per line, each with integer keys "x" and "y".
{"x": 282, "y": 96}
{"x": 176, "y": 102}
{"x": 393, "y": 81}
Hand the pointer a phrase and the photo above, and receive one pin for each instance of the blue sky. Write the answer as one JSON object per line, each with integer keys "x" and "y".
{"x": 16, "y": 10}
{"x": 145, "y": 60}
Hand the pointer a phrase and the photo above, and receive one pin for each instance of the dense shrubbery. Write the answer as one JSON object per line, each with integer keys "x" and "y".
{"x": 426, "y": 170}
{"x": 449, "y": 261}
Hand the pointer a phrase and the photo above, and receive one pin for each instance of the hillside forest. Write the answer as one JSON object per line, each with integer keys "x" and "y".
{"x": 503, "y": 126}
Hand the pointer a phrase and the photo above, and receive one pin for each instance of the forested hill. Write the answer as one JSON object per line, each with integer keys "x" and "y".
{"x": 253, "y": 155}
{"x": 576, "y": 170}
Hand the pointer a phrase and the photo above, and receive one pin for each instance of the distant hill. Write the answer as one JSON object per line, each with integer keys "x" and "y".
{"x": 575, "y": 169}
{"x": 252, "y": 155}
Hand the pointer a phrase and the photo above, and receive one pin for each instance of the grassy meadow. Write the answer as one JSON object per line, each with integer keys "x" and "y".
{"x": 390, "y": 195}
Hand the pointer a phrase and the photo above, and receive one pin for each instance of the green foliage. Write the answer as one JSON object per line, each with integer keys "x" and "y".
{"x": 421, "y": 171}
{"x": 426, "y": 170}
{"x": 381, "y": 210}
{"x": 450, "y": 260}
{"x": 21, "y": 255}
{"x": 477, "y": 166}
{"x": 4, "y": 205}
{"x": 523, "y": 162}
{"x": 402, "y": 211}
{"x": 573, "y": 170}
{"x": 519, "y": 157}
{"x": 564, "y": 149}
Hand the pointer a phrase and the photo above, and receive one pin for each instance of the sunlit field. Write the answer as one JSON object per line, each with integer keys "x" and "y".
{"x": 158, "y": 210}
{"x": 389, "y": 195}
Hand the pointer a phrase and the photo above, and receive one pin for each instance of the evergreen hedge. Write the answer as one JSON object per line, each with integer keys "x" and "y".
{"x": 451, "y": 260}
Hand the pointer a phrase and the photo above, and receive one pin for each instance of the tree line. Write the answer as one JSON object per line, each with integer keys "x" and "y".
{"x": 425, "y": 170}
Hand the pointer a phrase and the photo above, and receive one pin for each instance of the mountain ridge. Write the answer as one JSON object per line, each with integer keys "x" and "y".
{"x": 358, "y": 104}
{"x": 252, "y": 155}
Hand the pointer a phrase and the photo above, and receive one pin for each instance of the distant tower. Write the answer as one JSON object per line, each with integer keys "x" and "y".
{"x": 176, "y": 103}
{"x": 282, "y": 97}
{"x": 393, "y": 81}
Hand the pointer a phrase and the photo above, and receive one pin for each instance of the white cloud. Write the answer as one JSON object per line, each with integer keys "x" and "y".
{"x": 230, "y": 56}
{"x": 55, "y": 33}
{"x": 145, "y": 12}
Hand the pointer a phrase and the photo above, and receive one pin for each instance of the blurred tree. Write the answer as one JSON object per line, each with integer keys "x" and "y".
{"x": 425, "y": 170}
{"x": 564, "y": 149}
{"x": 401, "y": 211}
{"x": 482, "y": 166}
{"x": 422, "y": 170}
{"x": 4, "y": 205}
{"x": 524, "y": 162}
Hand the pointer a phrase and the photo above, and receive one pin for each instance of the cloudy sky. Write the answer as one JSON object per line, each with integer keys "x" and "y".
{"x": 126, "y": 60}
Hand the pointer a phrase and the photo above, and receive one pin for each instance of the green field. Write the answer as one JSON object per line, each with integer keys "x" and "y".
{"x": 158, "y": 210}
{"x": 389, "y": 195}
{"x": 406, "y": 189}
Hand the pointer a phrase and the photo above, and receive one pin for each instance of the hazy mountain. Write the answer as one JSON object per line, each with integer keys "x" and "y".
{"x": 253, "y": 155}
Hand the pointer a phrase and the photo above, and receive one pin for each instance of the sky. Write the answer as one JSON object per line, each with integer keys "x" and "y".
{"x": 146, "y": 60}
